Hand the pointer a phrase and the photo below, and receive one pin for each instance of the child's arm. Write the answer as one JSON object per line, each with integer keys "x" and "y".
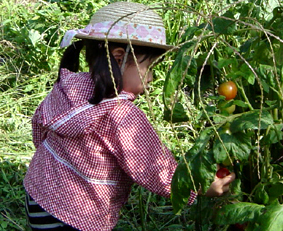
{"x": 142, "y": 156}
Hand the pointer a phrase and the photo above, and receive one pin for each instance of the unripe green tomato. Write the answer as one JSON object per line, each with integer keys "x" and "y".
{"x": 229, "y": 109}
{"x": 225, "y": 129}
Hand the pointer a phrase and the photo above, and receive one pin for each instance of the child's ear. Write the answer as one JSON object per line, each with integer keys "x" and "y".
{"x": 118, "y": 54}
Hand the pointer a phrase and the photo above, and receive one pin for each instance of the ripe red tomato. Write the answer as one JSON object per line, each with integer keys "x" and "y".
{"x": 222, "y": 172}
{"x": 228, "y": 89}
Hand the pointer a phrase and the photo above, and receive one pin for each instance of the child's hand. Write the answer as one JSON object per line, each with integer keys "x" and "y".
{"x": 220, "y": 186}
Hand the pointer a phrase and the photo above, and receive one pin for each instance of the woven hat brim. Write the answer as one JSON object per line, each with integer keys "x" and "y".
{"x": 126, "y": 41}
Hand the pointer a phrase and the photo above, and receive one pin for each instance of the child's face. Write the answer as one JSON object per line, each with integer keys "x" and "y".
{"x": 135, "y": 79}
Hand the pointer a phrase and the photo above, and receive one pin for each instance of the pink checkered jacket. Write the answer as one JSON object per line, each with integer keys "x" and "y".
{"x": 88, "y": 156}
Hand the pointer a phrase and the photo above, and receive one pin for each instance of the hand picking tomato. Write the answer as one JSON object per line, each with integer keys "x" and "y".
{"x": 222, "y": 172}
{"x": 228, "y": 89}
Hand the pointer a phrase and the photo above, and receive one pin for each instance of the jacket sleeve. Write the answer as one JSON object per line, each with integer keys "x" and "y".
{"x": 142, "y": 155}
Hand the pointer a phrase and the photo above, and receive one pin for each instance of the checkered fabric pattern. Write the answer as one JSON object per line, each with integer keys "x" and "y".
{"x": 88, "y": 156}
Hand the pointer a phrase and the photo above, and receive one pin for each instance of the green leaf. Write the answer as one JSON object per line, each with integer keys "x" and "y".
{"x": 240, "y": 103}
{"x": 238, "y": 213}
{"x": 263, "y": 54}
{"x": 272, "y": 218}
{"x": 203, "y": 169}
{"x": 4, "y": 225}
{"x": 176, "y": 74}
{"x": 190, "y": 77}
{"x": 279, "y": 54}
{"x": 200, "y": 143}
{"x": 34, "y": 36}
{"x": 250, "y": 120}
{"x": 274, "y": 135}
{"x": 238, "y": 144}
{"x": 236, "y": 188}
{"x": 224, "y": 25}
{"x": 261, "y": 196}
{"x": 190, "y": 33}
{"x": 179, "y": 114}
{"x": 247, "y": 73}
{"x": 201, "y": 161}
{"x": 246, "y": 46}
{"x": 275, "y": 191}
{"x": 266, "y": 72}
{"x": 180, "y": 187}
{"x": 226, "y": 62}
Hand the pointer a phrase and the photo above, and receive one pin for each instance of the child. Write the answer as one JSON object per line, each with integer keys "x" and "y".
{"x": 92, "y": 143}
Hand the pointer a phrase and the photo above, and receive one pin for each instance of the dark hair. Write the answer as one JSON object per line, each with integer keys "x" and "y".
{"x": 96, "y": 57}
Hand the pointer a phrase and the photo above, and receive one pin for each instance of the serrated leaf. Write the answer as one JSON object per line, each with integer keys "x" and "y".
{"x": 238, "y": 213}
{"x": 180, "y": 187}
{"x": 189, "y": 33}
{"x": 272, "y": 218}
{"x": 226, "y": 62}
{"x": 200, "y": 143}
{"x": 275, "y": 191}
{"x": 238, "y": 144}
{"x": 203, "y": 169}
{"x": 223, "y": 25}
{"x": 247, "y": 73}
{"x": 250, "y": 120}
{"x": 266, "y": 72}
{"x": 179, "y": 114}
{"x": 274, "y": 135}
{"x": 261, "y": 196}
{"x": 176, "y": 74}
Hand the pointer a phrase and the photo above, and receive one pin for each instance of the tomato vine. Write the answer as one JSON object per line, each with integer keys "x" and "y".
{"x": 233, "y": 64}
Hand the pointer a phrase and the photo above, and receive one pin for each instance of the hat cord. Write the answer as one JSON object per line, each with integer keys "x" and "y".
{"x": 125, "y": 59}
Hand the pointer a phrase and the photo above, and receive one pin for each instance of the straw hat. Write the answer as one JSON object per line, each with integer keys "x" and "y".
{"x": 123, "y": 22}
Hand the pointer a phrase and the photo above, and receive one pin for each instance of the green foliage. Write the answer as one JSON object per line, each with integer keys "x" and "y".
{"x": 241, "y": 42}
{"x": 238, "y": 213}
{"x": 30, "y": 34}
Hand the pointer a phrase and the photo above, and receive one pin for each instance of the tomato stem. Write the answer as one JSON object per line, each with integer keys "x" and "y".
{"x": 245, "y": 96}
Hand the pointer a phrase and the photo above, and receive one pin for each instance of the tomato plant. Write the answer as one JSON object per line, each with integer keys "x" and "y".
{"x": 228, "y": 89}
{"x": 236, "y": 51}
